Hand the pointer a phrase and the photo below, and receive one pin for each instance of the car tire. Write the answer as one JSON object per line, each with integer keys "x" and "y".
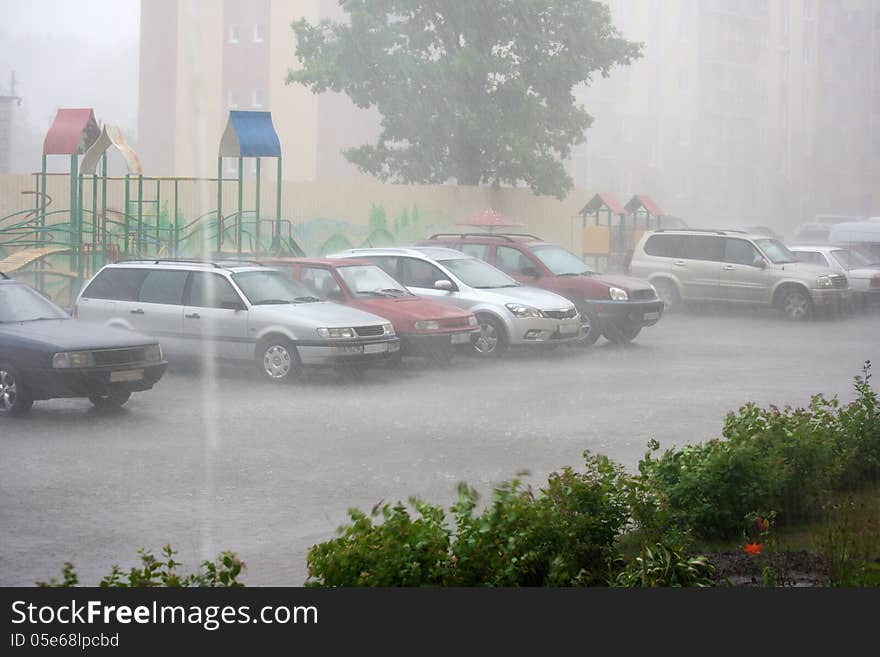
{"x": 113, "y": 399}
{"x": 668, "y": 293}
{"x": 796, "y": 304}
{"x": 621, "y": 334}
{"x": 14, "y": 397}
{"x": 492, "y": 341}
{"x": 591, "y": 328}
{"x": 277, "y": 359}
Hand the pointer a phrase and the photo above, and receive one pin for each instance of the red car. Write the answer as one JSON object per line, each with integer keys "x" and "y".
{"x": 425, "y": 327}
{"x": 617, "y": 307}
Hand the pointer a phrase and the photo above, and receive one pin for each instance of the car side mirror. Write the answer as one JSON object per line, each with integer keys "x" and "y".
{"x": 759, "y": 262}
{"x": 444, "y": 284}
{"x": 232, "y": 305}
{"x": 530, "y": 271}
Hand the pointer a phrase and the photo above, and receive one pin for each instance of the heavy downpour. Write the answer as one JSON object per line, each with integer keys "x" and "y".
{"x": 598, "y": 280}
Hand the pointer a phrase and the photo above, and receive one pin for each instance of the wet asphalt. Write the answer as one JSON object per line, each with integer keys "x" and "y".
{"x": 215, "y": 459}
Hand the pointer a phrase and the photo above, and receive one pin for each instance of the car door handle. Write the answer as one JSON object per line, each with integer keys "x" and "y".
{"x": 678, "y": 263}
{"x": 193, "y": 316}
{"x": 137, "y": 311}
{"x": 729, "y": 267}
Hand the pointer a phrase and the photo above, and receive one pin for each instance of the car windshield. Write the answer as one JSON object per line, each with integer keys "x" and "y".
{"x": 478, "y": 274}
{"x": 850, "y": 259}
{"x": 560, "y": 261}
{"x": 20, "y": 303}
{"x": 370, "y": 280}
{"x": 271, "y": 287}
{"x": 776, "y": 251}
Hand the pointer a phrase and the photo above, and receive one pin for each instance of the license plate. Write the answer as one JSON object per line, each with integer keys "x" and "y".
{"x": 461, "y": 338}
{"x": 126, "y": 375}
{"x": 375, "y": 348}
{"x": 569, "y": 329}
{"x": 654, "y": 315}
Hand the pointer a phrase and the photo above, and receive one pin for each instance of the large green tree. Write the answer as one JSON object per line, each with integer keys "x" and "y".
{"x": 477, "y": 91}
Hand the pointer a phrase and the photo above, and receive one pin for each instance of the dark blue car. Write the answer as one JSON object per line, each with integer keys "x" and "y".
{"x": 45, "y": 354}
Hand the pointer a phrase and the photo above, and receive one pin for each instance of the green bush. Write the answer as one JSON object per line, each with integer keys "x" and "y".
{"x": 783, "y": 459}
{"x": 222, "y": 572}
{"x": 662, "y": 566}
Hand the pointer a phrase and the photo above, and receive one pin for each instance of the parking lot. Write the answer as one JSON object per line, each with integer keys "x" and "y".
{"x": 215, "y": 460}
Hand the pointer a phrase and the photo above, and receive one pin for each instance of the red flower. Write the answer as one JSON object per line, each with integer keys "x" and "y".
{"x": 753, "y": 548}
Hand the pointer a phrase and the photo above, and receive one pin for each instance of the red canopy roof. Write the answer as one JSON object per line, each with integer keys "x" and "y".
{"x": 642, "y": 201}
{"x": 489, "y": 219}
{"x": 72, "y": 132}
{"x": 603, "y": 200}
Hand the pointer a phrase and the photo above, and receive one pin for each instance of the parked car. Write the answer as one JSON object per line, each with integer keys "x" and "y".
{"x": 235, "y": 311}
{"x": 617, "y": 307}
{"x": 733, "y": 267}
{"x": 507, "y": 313}
{"x": 861, "y": 236}
{"x": 425, "y": 327}
{"x": 864, "y": 278}
{"x": 44, "y": 354}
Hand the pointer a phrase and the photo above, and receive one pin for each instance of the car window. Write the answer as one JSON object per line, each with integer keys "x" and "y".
{"x": 163, "y": 286}
{"x": 370, "y": 280}
{"x": 386, "y": 263}
{"x": 810, "y": 257}
{"x": 739, "y": 252}
{"x": 118, "y": 284}
{"x": 270, "y": 287}
{"x": 700, "y": 247}
{"x": 480, "y": 251}
{"x": 850, "y": 259}
{"x": 478, "y": 274}
{"x": 664, "y": 246}
{"x": 418, "y": 273}
{"x": 776, "y": 251}
{"x": 512, "y": 261}
{"x": 20, "y": 303}
{"x": 211, "y": 291}
{"x": 560, "y": 261}
{"x": 321, "y": 282}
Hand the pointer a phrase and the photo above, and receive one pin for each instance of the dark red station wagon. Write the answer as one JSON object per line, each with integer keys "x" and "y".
{"x": 617, "y": 307}
{"x": 425, "y": 327}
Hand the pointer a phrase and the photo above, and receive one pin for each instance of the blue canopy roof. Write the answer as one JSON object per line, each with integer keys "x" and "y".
{"x": 250, "y": 134}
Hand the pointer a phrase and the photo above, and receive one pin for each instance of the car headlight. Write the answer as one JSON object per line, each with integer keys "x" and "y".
{"x": 336, "y": 332}
{"x": 472, "y": 320}
{"x": 824, "y": 281}
{"x": 617, "y": 294}
{"x": 389, "y": 329}
{"x": 521, "y": 310}
{"x": 73, "y": 359}
{"x": 153, "y": 353}
{"x": 427, "y": 325}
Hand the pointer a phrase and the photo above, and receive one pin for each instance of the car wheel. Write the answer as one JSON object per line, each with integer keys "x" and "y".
{"x": 14, "y": 398}
{"x": 492, "y": 340}
{"x": 591, "y": 328}
{"x": 621, "y": 333}
{"x": 277, "y": 360}
{"x": 113, "y": 399}
{"x": 668, "y": 294}
{"x": 796, "y": 304}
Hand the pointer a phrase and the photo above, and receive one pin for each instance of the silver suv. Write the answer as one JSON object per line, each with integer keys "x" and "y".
{"x": 234, "y": 311}
{"x": 508, "y": 313}
{"x": 735, "y": 267}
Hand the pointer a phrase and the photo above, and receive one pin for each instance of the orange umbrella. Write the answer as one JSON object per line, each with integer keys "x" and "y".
{"x": 489, "y": 219}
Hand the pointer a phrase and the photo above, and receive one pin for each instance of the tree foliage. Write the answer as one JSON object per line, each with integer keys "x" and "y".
{"x": 478, "y": 92}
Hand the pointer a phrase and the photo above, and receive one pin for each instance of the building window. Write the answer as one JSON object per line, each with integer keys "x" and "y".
{"x": 232, "y": 36}
{"x": 257, "y": 98}
{"x": 231, "y": 100}
{"x": 258, "y": 33}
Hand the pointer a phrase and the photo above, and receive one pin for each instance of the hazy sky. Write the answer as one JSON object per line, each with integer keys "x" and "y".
{"x": 68, "y": 53}
{"x": 103, "y": 19}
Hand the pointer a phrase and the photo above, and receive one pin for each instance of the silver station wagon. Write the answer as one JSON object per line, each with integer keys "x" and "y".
{"x": 233, "y": 311}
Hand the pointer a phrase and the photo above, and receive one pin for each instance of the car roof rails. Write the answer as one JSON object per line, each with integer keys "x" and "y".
{"x": 716, "y": 231}
{"x": 217, "y": 264}
{"x": 506, "y": 236}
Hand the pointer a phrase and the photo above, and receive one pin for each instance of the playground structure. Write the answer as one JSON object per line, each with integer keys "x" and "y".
{"x": 611, "y": 230}
{"x": 57, "y": 249}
